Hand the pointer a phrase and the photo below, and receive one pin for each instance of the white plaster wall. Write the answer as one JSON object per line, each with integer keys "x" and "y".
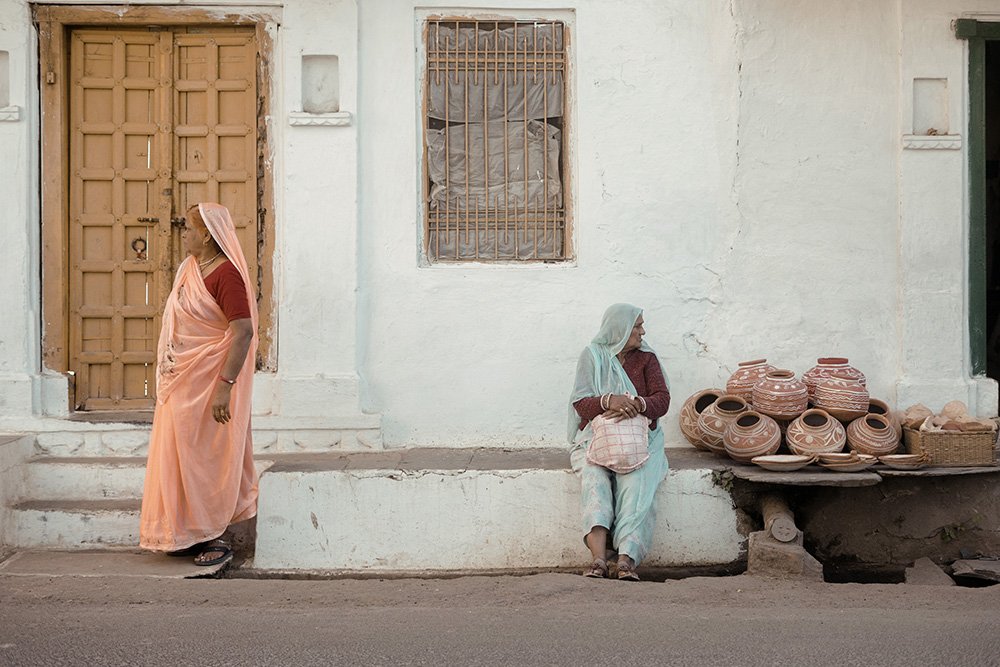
{"x": 736, "y": 172}
{"x": 19, "y": 271}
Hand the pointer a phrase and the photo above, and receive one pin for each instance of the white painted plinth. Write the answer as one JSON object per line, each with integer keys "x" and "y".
{"x": 472, "y": 519}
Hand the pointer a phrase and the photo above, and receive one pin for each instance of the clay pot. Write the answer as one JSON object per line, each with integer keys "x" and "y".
{"x": 780, "y": 395}
{"x": 842, "y": 396}
{"x": 877, "y": 407}
{"x": 827, "y": 367}
{"x": 815, "y": 432}
{"x": 692, "y": 409}
{"x": 751, "y": 434}
{"x": 714, "y": 420}
{"x": 872, "y": 434}
{"x": 742, "y": 381}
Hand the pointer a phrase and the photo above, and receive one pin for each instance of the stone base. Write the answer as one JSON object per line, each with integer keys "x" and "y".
{"x": 925, "y": 573}
{"x": 768, "y": 557}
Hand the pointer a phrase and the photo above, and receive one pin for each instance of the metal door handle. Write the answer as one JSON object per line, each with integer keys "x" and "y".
{"x": 177, "y": 222}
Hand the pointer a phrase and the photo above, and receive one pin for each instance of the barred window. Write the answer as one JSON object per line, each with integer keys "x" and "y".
{"x": 494, "y": 141}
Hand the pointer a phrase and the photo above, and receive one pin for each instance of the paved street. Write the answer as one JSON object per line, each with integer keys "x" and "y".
{"x": 544, "y": 619}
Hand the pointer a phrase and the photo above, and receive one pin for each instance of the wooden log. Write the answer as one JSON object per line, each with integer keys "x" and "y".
{"x": 778, "y": 519}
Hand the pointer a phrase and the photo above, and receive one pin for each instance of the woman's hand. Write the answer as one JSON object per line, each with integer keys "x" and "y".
{"x": 220, "y": 402}
{"x": 621, "y": 406}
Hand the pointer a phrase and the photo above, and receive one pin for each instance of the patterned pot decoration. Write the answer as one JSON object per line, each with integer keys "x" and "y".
{"x": 826, "y": 367}
{"x": 872, "y": 434}
{"x": 742, "y": 381}
{"x": 842, "y": 396}
{"x": 716, "y": 417}
{"x": 780, "y": 395}
{"x": 815, "y": 432}
{"x": 751, "y": 434}
{"x": 692, "y": 409}
{"x": 878, "y": 407}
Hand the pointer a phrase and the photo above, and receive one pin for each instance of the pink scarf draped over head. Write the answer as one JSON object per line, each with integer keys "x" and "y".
{"x": 200, "y": 475}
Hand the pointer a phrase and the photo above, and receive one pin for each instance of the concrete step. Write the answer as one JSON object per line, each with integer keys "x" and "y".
{"x": 73, "y": 524}
{"x": 92, "y": 478}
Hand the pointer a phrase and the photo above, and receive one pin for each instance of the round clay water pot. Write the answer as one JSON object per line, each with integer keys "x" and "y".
{"x": 715, "y": 418}
{"x": 780, "y": 395}
{"x": 872, "y": 434}
{"x": 815, "y": 432}
{"x": 751, "y": 434}
{"x": 842, "y": 396}
{"x": 879, "y": 407}
{"x": 826, "y": 367}
{"x": 742, "y": 381}
{"x": 692, "y": 409}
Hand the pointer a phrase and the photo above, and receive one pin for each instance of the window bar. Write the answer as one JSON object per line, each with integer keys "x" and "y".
{"x": 506, "y": 148}
{"x": 496, "y": 200}
{"x": 545, "y": 143}
{"x": 486, "y": 141}
{"x": 465, "y": 101}
{"x": 524, "y": 174}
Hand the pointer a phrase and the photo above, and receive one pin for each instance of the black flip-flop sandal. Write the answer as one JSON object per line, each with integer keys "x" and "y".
{"x": 215, "y": 546}
{"x": 192, "y": 550}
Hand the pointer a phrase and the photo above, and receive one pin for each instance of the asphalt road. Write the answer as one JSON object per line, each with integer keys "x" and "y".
{"x": 545, "y": 619}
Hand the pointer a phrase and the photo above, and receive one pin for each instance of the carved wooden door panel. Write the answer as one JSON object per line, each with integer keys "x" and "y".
{"x": 159, "y": 120}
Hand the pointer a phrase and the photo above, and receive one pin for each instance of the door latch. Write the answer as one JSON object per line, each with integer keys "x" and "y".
{"x": 148, "y": 221}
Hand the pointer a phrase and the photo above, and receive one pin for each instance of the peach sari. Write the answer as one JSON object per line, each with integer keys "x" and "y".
{"x": 200, "y": 475}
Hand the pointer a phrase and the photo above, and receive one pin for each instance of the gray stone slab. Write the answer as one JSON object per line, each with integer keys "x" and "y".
{"x": 104, "y": 564}
{"x": 980, "y": 568}
{"x": 931, "y": 471}
{"x": 520, "y": 459}
{"x": 811, "y": 475}
{"x": 925, "y": 572}
{"x": 435, "y": 458}
{"x": 81, "y": 506}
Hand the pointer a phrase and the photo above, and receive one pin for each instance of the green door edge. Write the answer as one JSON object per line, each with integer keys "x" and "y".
{"x": 977, "y": 33}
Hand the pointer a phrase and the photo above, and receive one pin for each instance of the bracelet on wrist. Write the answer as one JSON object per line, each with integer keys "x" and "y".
{"x": 222, "y": 379}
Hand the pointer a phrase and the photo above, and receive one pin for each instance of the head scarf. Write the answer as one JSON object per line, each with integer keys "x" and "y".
{"x": 220, "y": 225}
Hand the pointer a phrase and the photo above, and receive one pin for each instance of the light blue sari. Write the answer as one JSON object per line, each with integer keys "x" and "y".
{"x": 623, "y": 503}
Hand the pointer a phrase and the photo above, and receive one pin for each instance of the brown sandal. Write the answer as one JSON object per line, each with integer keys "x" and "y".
{"x": 598, "y": 569}
{"x": 625, "y": 570}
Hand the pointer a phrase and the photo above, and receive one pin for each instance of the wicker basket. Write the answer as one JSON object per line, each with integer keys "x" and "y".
{"x": 952, "y": 450}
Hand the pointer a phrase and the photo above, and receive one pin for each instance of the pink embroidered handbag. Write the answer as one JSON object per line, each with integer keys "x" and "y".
{"x": 619, "y": 446}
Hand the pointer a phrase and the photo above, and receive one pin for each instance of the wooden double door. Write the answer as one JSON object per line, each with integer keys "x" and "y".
{"x": 158, "y": 119}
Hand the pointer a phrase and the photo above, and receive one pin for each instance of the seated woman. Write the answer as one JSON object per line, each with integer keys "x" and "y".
{"x": 618, "y": 376}
{"x": 200, "y": 474}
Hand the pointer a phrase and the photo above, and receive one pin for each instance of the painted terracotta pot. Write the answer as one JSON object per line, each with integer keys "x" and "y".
{"x": 827, "y": 367}
{"x": 780, "y": 395}
{"x": 872, "y": 434}
{"x": 714, "y": 420}
{"x": 751, "y": 434}
{"x": 692, "y": 409}
{"x": 878, "y": 407}
{"x": 815, "y": 432}
{"x": 742, "y": 381}
{"x": 842, "y": 396}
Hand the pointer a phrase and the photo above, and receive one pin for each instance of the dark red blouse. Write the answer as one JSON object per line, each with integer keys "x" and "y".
{"x": 643, "y": 369}
{"x": 225, "y": 284}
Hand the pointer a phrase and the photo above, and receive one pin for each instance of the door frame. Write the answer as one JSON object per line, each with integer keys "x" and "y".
{"x": 977, "y": 33}
{"x": 54, "y": 23}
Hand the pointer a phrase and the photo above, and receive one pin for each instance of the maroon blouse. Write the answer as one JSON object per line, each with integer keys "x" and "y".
{"x": 643, "y": 369}
{"x": 225, "y": 284}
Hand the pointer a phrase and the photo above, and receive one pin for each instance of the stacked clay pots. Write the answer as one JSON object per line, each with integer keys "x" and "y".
{"x": 815, "y": 432}
{"x": 751, "y": 434}
{"x": 827, "y": 410}
{"x": 749, "y": 373}
{"x": 872, "y": 434}
{"x": 714, "y": 420}
{"x": 842, "y": 396}
{"x": 692, "y": 409}
{"x": 780, "y": 395}
{"x": 826, "y": 367}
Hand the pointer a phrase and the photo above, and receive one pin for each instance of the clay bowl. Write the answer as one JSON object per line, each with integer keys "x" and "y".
{"x": 783, "y": 462}
{"x": 863, "y": 461}
{"x": 838, "y": 457}
{"x": 905, "y": 461}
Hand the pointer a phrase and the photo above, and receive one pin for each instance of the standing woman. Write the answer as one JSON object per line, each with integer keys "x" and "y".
{"x": 618, "y": 376}
{"x": 200, "y": 475}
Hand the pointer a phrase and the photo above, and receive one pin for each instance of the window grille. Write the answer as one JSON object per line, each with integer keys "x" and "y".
{"x": 494, "y": 151}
